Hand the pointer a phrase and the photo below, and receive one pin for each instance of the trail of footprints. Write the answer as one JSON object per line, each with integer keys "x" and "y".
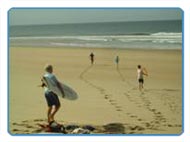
{"x": 113, "y": 102}
{"x": 102, "y": 91}
{"x": 159, "y": 118}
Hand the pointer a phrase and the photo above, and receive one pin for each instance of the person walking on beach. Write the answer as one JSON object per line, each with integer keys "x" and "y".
{"x": 92, "y": 58}
{"x": 140, "y": 73}
{"x": 117, "y": 61}
{"x": 51, "y": 98}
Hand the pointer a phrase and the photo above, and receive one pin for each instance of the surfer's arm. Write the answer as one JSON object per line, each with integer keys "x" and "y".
{"x": 144, "y": 71}
{"x": 43, "y": 84}
{"x": 145, "y": 74}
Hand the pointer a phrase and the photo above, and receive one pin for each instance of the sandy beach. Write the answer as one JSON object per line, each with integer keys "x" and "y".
{"x": 107, "y": 95}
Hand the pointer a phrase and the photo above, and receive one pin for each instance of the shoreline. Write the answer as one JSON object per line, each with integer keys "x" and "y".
{"x": 107, "y": 48}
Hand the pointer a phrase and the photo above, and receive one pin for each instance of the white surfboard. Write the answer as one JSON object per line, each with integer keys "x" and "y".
{"x": 69, "y": 93}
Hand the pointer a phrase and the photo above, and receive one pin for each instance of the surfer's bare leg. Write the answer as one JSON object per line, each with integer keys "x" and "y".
{"x": 53, "y": 112}
{"x": 49, "y": 113}
{"x": 140, "y": 86}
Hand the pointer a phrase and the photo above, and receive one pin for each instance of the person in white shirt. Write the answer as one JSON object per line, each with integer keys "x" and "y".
{"x": 140, "y": 78}
{"x": 51, "y": 98}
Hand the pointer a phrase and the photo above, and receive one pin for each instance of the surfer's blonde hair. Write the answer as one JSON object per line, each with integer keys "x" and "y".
{"x": 48, "y": 67}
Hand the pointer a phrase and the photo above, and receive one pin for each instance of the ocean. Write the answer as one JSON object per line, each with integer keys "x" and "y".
{"x": 138, "y": 34}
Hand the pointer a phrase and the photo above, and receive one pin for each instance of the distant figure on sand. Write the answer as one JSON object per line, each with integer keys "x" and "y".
{"x": 140, "y": 72}
{"x": 92, "y": 58}
{"x": 51, "y": 98}
{"x": 117, "y": 61}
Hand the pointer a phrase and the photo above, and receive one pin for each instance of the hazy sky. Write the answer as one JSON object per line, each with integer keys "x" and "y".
{"x": 81, "y": 15}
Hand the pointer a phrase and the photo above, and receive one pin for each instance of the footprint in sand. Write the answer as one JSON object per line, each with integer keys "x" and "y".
{"x": 39, "y": 120}
{"x": 139, "y": 119}
{"x": 133, "y": 116}
{"x": 15, "y": 130}
{"x": 138, "y": 128}
{"x": 118, "y": 109}
{"x": 113, "y": 103}
{"x": 24, "y": 121}
{"x": 19, "y": 124}
{"x": 14, "y": 123}
{"x": 28, "y": 126}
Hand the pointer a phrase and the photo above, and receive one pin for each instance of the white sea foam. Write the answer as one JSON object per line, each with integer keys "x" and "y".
{"x": 120, "y": 41}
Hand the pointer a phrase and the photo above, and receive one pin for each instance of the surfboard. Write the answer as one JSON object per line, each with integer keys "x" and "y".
{"x": 145, "y": 71}
{"x": 69, "y": 93}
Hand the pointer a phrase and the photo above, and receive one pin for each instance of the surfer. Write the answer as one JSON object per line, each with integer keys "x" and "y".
{"x": 117, "y": 61}
{"x": 51, "y": 98}
{"x": 140, "y": 73}
{"x": 92, "y": 58}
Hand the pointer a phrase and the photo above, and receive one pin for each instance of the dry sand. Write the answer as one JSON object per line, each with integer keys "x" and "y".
{"x": 106, "y": 95}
